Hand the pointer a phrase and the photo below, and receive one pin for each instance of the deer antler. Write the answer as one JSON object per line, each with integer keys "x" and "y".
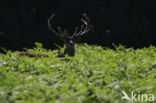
{"x": 69, "y": 40}
{"x": 61, "y": 34}
{"x": 84, "y": 28}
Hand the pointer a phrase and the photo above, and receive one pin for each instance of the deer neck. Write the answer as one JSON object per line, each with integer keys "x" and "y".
{"x": 69, "y": 49}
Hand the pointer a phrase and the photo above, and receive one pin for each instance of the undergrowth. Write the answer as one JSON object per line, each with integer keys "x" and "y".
{"x": 93, "y": 75}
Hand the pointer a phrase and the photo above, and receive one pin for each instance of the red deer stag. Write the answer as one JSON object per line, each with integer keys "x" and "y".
{"x": 68, "y": 40}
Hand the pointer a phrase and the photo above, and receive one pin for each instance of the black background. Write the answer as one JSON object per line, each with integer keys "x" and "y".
{"x": 126, "y": 22}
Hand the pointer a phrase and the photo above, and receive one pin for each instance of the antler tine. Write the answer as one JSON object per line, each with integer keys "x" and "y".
{"x": 81, "y": 30}
{"x": 86, "y": 17}
{"x": 75, "y": 33}
{"x": 76, "y": 30}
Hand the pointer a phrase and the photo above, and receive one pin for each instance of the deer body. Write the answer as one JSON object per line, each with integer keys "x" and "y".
{"x": 68, "y": 40}
{"x": 31, "y": 54}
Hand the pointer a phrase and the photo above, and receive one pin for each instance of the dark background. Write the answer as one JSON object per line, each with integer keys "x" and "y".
{"x": 126, "y": 22}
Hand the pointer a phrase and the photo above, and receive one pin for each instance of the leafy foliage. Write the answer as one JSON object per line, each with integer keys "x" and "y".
{"x": 94, "y": 75}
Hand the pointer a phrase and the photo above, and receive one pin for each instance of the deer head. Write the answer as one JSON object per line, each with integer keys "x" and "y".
{"x": 69, "y": 40}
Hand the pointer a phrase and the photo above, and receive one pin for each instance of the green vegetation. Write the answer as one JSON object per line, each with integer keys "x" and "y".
{"x": 94, "y": 75}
